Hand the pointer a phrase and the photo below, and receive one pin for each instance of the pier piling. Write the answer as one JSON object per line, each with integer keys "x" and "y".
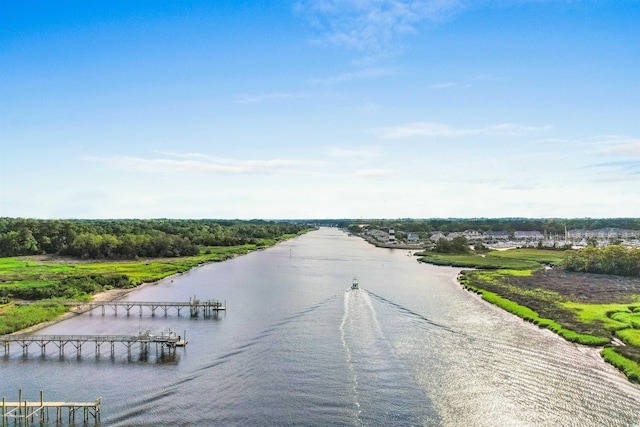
{"x": 167, "y": 340}
{"x": 24, "y": 413}
{"x": 195, "y": 305}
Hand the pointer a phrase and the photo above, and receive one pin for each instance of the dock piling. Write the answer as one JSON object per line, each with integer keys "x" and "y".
{"x": 208, "y": 307}
{"x": 163, "y": 339}
{"x": 24, "y": 413}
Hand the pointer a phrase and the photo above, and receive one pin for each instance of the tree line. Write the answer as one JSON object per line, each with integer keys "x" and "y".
{"x": 613, "y": 259}
{"x": 131, "y": 238}
{"x": 446, "y": 225}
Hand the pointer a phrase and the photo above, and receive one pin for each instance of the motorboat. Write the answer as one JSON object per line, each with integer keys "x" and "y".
{"x": 354, "y": 284}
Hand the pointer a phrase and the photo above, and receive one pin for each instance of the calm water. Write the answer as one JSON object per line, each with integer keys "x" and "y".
{"x": 297, "y": 348}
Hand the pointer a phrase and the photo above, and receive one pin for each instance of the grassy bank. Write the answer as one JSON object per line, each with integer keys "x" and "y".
{"x": 51, "y": 279}
{"x": 588, "y": 309}
{"x": 534, "y": 317}
{"x": 515, "y": 259}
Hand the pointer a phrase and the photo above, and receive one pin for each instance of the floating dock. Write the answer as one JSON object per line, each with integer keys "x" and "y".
{"x": 25, "y": 413}
{"x": 195, "y": 306}
{"x": 163, "y": 340}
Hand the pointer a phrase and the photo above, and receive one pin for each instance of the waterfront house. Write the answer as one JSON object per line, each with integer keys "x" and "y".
{"x": 413, "y": 237}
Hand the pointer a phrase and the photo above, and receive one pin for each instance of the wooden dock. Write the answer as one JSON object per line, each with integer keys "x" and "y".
{"x": 194, "y": 305}
{"x": 24, "y": 413}
{"x": 164, "y": 340}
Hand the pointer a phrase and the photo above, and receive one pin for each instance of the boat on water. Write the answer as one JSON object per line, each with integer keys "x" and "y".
{"x": 354, "y": 284}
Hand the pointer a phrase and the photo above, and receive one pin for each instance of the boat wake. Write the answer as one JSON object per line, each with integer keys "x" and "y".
{"x": 377, "y": 375}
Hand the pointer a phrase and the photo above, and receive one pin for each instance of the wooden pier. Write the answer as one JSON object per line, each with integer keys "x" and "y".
{"x": 164, "y": 340}
{"x": 24, "y": 413}
{"x": 194, "y": 305}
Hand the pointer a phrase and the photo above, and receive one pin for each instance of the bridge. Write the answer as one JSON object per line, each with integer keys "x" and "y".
{"x": 164, "y": 340}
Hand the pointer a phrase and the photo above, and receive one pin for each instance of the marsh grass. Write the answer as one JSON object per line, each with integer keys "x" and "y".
{"x": 543, "y": 256}
{"x": 548, "y": 300}
{"x": 630, "y": 336}
{"x": 532, "y": 316}
{"x": 607, "y": 314}
{"x": 630, "y": 368}
{"x": 478, "y": 261}
{"x": 14, "y": 318}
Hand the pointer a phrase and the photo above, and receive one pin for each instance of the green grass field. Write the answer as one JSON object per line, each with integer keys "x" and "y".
{"x": 542, "y": 256}
{"x": 478, "y": 261}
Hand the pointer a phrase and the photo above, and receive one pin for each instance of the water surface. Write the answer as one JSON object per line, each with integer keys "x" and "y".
{"x": 297, "y": 347}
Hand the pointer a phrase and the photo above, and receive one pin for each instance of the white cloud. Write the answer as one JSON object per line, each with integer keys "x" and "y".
{"x": 361, "y": 153}
{"x": 632, "y": 148}
{"x": 202, "y": 163}
{"x": 373, "y": 172}
{"x": 600, "y": 144}
{"x": 433, "y": 129}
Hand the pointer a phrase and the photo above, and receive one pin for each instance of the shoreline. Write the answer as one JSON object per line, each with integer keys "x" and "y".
{"x": 115, "y": 294}
{"x": 105, "y": 296}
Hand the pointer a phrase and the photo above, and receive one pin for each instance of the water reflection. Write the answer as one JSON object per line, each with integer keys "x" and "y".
{"x": 410, "y": 348}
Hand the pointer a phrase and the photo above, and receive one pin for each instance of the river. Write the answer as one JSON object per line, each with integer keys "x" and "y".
{"x": 296, "y": 347}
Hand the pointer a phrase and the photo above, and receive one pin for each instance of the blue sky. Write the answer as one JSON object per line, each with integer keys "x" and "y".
{"x": 320, "y": 109}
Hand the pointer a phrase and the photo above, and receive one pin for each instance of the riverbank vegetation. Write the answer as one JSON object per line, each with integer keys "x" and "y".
{"x": 515, "y": 259}
{"x": 613, "y": 259}
{"x": 131, "y": 239}
{"x": 585, "y": 308}
{"x": 51, "y": 277}
{"x": 60, "y": 278}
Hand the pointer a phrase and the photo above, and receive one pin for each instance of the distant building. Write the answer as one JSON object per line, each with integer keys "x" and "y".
{"x": 497, "y": 235}
{"x": 413, "y": 237}
{"x": 472, "y": 234}
{"x": 602, "y": 233}
{"x": 437, "y": 236}
{"x": 528, "y": 235}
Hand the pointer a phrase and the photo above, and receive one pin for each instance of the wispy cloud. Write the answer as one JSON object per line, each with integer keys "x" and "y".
{"x": 616, "y": 171}
{"x": 359, "y": 153}
{"x": 254, "y": 99}
{"x": 600, "y": 144}
{"x": 202, "y": 163}
{"x": 370, "y": 108}
{"x": 433, "y": 129}
{"x": 367, "y": 73}
{"x": 373, "y": 172}
{"x": 621, "y": 159}
{"x": 371, "y": 25}
{"x": 449, "y": 85}
{"x": 629, "y": 148}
